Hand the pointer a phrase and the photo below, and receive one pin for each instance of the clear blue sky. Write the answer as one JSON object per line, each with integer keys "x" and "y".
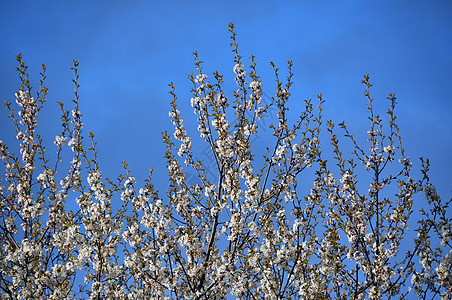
{"x": 130, "y": 50}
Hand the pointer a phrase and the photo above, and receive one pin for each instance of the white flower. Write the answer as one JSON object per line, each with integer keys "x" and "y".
{"x": 20, "y": 135}
{"x": 59, "y": 140}
{"x": 200, "y": 78}
{"x": 238, "y": 68}
{"x": 388, "y": 149}
{"x": 194, "y": 101}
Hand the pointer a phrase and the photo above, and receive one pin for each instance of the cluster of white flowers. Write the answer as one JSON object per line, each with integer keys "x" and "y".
{"x": 444, "y": 272}
{"x": 200, "y": 79}
{"x": 60, "y": 140}
{"x": 389, "y": 149}
{"x": 239, "y": 70}
{"x": 255, "y": 96}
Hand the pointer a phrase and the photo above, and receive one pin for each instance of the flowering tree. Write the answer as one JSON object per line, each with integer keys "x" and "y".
{"x": 250, "y": 231}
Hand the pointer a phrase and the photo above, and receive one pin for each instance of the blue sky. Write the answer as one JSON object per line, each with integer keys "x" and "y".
{"x": 130, "y": 50}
